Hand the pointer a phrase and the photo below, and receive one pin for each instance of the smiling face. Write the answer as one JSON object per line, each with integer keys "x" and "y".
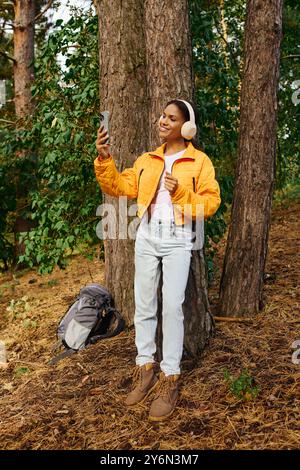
{"x": 170, "y": 123}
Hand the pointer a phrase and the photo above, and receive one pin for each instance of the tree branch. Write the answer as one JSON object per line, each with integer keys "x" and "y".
{"x": 234, "y": 319}
{"x": 7, "y": 56}
{"x": 8, "y": 122}
{"x": 293, "y": 56}
{"x": 228, "y": 47}
{"x": 49, "y": 4}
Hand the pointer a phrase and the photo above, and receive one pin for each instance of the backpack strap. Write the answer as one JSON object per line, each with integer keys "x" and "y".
{"x": 66, "y": 353}
{"x": 57, "y": 346}
{"x": 119, "y": 327}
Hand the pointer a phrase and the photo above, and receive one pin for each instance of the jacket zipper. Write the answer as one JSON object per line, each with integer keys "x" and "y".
{"x": 140, "y": 177}
{"x": 171, "y": 173}
{"x": 179, "y": 159}
{"x": 154, "y": 190}
{"x": 160, "y": 177}
{"x": 194, "y": 185}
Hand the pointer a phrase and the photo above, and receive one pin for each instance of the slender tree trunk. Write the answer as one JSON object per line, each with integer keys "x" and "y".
{"x": 241, "y": 285}
{"x": 23, "y": 78}
{"x": 170, "y": 75}
{"x": 123, "y": 91}
{"x": 23, "y": 55}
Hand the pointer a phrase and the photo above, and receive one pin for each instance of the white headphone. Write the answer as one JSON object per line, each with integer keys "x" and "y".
{"x": 189, "y": 128}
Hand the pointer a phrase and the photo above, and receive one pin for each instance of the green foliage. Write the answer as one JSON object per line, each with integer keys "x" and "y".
{"x": 6, "y": 39}
{"x": 217, "y": 39}
{"x": 57, "y": 169}
{"x": 20, "y": 310}
{"x": 46, "y": 163}
{"x": 19, "y": 371}
{"x": 290, "y": 193}
{"x": 215, "y": 227}
{"x": 7, "y": 15}
{"x": 288, "y": 145}
{"x": 53, "y": 282}
{"x": 64, "y": 203}
{"x": 243, "y": 387}
{"x": 8, "y": 204}
{"x": 217, "y": 66}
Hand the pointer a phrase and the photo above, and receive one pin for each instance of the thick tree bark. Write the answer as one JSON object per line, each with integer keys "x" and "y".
{"x": 169, "y": 76}
{"x": 145, "y": 60}
{"x": 23, "y": 55}
{"x": 123, "y": 91}
{"x": 241, "y": 285}
{"x": 169, "y": 69}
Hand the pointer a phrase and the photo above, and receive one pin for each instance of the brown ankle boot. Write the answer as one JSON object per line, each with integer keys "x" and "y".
{"x": 165, "y": 399}
{"x": 144, "y": 381}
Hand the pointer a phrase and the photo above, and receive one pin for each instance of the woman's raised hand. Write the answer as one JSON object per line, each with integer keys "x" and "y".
{"x": 102, "y": 149}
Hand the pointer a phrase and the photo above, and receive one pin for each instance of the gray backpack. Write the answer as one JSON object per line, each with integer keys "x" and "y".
{"x": 90, "y": 318}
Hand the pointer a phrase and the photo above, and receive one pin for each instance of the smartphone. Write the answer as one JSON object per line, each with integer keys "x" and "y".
{"x": 104, "y": 120}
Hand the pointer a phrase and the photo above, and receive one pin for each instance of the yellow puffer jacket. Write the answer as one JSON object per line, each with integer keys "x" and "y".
{"x": 197, "y": 194}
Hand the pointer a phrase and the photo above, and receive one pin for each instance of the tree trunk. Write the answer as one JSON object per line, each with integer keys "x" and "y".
{"x": 169, "y": 76}
{"x": 123, "y": 92}
{"x": 242, "y": 278}
{"x": 145, "y": 60}
{"x": 23, "y": 55}
{"x": 23, "y": 78}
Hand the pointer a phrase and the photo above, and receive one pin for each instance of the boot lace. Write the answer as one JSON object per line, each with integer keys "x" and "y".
{"x": 164, "y": 389}
{"x": 137, "y": 377}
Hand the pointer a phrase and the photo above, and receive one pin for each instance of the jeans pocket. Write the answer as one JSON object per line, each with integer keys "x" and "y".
{"x": 183, "y": 233}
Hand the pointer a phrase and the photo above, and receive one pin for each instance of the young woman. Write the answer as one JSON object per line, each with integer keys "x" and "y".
{"x": 170, "y": 184}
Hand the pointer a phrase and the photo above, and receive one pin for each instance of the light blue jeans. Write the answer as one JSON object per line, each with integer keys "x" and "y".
{"x": 166, "y": 242}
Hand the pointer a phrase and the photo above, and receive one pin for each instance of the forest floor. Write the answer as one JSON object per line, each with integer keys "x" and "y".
{"x": 78, "y": 403}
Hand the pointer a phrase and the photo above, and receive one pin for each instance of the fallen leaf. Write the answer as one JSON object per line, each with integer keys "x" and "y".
{"x": 8, "y": 386}
{"x": 96, "y": 391}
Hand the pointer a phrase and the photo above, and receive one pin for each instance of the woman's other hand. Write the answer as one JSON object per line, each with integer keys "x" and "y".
{"x": 102, "y": 149}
